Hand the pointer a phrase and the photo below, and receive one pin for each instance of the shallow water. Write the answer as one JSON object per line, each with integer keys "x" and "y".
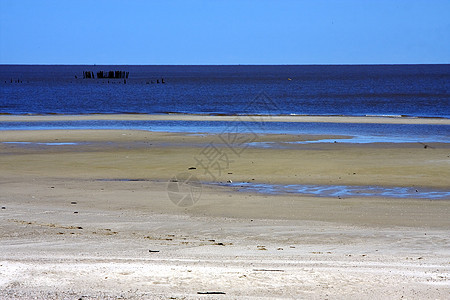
{"x": 361, "y": 133}
{"x": 46, "y": 144}
{"x": 342, "y": 190}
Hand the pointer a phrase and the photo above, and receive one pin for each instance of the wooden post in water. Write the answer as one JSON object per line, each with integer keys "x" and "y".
{"x": 117, "y": 74}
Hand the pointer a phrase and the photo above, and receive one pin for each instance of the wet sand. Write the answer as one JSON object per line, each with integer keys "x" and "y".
{"x": 72, "y": 228}
{"x": 255, "y": 118}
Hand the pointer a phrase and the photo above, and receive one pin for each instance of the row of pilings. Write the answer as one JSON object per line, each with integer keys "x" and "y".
{"x": 18, "y": 80}
{"x": 106, "y": 75}
{"x": 15, "y": 80}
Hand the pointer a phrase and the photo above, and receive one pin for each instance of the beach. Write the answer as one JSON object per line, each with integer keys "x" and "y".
{"x": 393, "y": 119}
{"x": 89, "y": 214}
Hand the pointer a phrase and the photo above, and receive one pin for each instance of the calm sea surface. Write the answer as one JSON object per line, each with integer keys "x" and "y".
{"x": 411, "y": 90}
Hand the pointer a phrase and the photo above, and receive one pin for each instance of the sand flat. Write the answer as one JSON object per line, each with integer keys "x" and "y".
{"x": 160, "y": 156}
{"x": 249, "y": 118}
{"x": 70, "y": 229}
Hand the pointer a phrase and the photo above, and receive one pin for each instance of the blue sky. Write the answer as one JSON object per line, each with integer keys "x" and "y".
{"x": 224, "y": 32}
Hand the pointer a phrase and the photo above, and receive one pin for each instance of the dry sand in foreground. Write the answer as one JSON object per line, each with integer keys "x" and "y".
{"x": 68, "y": 234}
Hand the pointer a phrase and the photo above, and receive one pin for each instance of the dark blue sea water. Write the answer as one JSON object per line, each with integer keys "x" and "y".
{"x": 411, "y": 90}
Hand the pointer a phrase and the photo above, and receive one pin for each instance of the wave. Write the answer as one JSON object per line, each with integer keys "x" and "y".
{"x": 224, "y": 115}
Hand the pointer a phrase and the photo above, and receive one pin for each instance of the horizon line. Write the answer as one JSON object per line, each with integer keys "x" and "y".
{"x": 343, "y": 64}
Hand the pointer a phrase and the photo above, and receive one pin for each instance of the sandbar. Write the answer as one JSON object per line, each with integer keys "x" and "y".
{"x": 247, "y": 118}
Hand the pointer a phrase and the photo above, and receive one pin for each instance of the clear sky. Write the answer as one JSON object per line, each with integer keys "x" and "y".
{"x": 224, "y": 32}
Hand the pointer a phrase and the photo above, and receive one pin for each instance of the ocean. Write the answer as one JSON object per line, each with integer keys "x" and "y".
{"x": 343, "y": 90}
{"x": 408, "y": 90}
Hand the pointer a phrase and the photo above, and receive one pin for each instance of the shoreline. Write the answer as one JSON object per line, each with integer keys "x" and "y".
{"x": 241, "y": 118}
